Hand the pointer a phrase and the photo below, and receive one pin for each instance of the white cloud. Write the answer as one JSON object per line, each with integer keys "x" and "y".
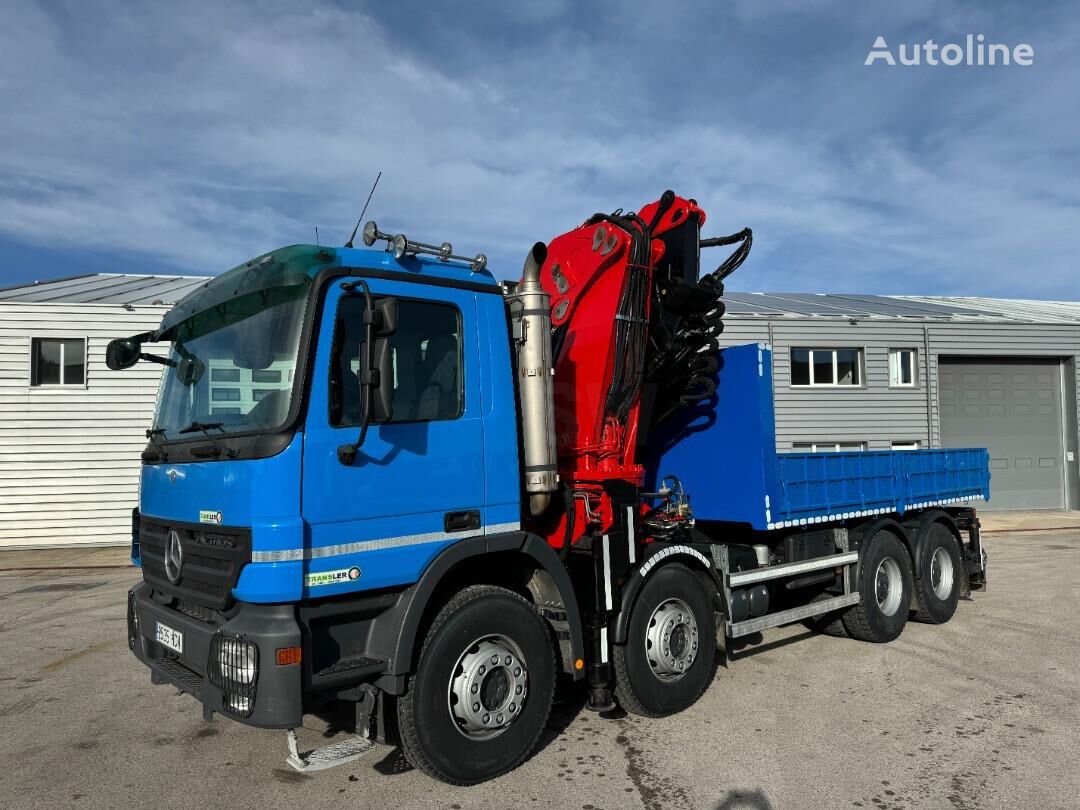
{"x": 200, "y": 135}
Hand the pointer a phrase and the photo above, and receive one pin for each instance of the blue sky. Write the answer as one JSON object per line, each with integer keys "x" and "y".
{"x": 187, "y": 137}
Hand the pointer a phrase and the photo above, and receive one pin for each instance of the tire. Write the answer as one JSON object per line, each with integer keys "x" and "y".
{"x": 645, "y": 683}
{"x": 885, "y": 582}
{"x": 439, "y": 734}
{"x": 828, "y": 624}
{"x": 940, "y": 572}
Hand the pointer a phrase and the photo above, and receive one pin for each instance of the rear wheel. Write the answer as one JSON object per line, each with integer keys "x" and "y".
{"x": 670, "y": 650}
{"x": 885, "y": 582}
{"x": 482, "y": 690}
{"x": 937, "y": 587}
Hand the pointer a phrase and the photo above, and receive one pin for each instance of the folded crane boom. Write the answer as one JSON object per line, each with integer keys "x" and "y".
{"x": 634, "y": 336}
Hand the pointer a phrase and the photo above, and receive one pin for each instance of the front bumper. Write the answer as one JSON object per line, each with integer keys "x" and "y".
{"x": 278, "y": 691}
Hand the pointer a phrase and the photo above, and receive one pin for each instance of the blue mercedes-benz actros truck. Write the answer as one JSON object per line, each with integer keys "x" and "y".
{"x": 374, "y": 476}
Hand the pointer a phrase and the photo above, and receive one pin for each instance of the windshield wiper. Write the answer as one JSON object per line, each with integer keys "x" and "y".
{"x": 205, "y": 428}
{"x": 158, "y": 453}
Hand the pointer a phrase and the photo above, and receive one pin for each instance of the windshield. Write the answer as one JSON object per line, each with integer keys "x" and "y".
{"x": 232, "y": 366}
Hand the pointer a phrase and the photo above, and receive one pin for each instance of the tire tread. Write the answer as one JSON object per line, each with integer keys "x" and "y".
{"x": 856, "y": 619}
{"x": 621, "y": 653}
{"x": 921, "y": 614}
{"x": 409, "y": 739}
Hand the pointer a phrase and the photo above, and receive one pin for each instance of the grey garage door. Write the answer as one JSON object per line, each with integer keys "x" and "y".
{"x": 1013, "y": 407}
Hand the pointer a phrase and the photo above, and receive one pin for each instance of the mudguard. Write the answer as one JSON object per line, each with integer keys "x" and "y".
{"x": 697, "y": 555}
{"x": 412, "y": 613}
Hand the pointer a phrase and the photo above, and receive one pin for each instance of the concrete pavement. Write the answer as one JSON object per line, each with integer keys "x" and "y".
{"x": 979, "y": 713}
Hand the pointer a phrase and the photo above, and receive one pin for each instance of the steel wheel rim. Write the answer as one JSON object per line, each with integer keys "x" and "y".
{"x": 671, "y": 640}
{"x": 942, "y": 574}
{"x": 488, "y": 687}
{"x": 888, "y": 586}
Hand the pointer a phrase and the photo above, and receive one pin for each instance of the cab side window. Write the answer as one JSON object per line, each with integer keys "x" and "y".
{"x": 427, "y": 363}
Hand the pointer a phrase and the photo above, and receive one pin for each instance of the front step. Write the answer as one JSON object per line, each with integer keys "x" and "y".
{"x": 329, "y": 756}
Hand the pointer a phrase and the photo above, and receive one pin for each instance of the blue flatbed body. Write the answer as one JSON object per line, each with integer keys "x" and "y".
{"x": 724, "y": 453}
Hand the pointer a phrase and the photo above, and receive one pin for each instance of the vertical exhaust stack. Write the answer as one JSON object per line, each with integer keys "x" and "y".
{"x": 530, "y": 313}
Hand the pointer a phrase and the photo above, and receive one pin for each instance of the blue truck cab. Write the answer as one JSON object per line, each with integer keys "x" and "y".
{"x": 332, "y": 499}
{"x": 246, "y": 510}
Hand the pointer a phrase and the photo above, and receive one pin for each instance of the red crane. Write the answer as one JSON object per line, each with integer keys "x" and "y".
{"x": 633, "y": 335}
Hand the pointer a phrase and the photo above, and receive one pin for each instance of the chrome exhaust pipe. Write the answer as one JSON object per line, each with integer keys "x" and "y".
{"x": 530, "y": 314}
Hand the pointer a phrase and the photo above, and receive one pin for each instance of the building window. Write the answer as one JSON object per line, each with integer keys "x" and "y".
{"x": 826, "y": 367}
{"x": 828, "y": 447}
{"x": 240, "y": 386}
{"x": 225, "y": 375}
{"x": 57, "y": 361}
{"x": 903, "y": 367}
{"x": 906, "y": 444}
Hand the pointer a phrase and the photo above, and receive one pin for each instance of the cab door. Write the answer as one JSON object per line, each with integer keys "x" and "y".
{"x": 417, "y": 483}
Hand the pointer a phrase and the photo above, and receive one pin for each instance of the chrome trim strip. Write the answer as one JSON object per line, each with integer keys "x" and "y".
{"x": 360, "y": 546}
{"x": 501, "y": 528}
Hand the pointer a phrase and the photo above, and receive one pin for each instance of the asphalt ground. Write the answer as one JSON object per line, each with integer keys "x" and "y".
{"x": 979, "y": 713}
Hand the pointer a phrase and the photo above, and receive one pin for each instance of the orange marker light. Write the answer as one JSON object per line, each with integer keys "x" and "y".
{"x": 288, "y": 655}
{"x": 579, "y": 664}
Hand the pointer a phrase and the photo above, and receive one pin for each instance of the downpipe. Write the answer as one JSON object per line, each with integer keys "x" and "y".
{"x": 530, "y": 312}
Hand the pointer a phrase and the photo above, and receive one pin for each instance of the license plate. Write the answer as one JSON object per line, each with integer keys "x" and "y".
{"x": 173, "y": 639}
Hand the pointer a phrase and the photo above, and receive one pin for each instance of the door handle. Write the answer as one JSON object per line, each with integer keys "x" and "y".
{"x": 461, "y": 521}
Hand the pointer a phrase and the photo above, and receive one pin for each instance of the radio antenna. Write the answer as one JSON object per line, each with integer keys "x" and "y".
{"x": 349, "y": 244}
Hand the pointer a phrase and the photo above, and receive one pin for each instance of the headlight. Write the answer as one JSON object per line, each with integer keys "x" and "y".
{"x": 237, "y": 661}
{"x": 233, "y": 668}
{"x": 240, "y": 705}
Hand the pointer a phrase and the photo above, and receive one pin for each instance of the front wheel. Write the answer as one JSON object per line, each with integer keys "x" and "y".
{"x": 670, "y": 650}
{"x": 482, "y": 690}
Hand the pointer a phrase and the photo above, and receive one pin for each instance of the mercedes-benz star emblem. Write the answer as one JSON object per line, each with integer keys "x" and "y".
{"x": 172, "y": 474}
{"x": 174, "y": 557}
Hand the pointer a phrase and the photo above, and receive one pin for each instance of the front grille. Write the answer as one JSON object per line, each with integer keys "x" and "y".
{"x": 233, "y": 667}
{"x": 212, "y": 559}
{"x": 135, "y": 533}
{"x": 198, "y": 612}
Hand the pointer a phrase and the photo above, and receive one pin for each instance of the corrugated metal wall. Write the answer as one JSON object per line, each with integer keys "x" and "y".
{"x": 69, "y": 455}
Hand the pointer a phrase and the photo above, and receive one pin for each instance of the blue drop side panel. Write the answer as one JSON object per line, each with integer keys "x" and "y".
{"x": 724, "y": 452}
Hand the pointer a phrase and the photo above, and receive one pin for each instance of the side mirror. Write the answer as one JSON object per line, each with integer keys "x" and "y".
{"x": 376, "y": 367}
{"x": 122, "y": 353}
{"x": 190, "y": 370}
{"x": 382, "y": 388}
{"x": 385, "y": 317}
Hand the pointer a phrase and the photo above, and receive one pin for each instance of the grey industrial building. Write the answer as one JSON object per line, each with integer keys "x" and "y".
{"x": 855, "y": 372}
{"x": 851, "y": 373}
